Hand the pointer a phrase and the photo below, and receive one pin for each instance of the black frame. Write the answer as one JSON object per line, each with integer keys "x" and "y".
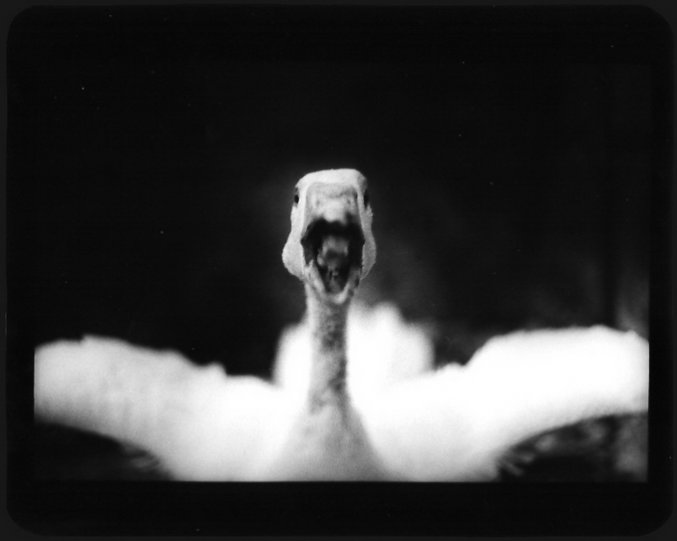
{"x": 395, "y": 509}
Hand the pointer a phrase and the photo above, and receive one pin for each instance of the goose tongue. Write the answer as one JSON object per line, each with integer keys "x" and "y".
{"x": 333, "y": 259}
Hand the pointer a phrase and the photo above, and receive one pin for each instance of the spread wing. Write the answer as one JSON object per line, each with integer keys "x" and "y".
{"x": 199, "y": 422}
{"x": 455, "y": 424}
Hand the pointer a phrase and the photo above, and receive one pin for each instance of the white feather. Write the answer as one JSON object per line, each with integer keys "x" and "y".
{"x": 200, "y": 423}
{"x": 456, "y": 423}
{"x": 382, "y": 350}
{"x": 452, "y": 424}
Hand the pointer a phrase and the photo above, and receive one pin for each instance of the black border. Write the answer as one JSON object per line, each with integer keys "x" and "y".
{"x": 392, "y": 509}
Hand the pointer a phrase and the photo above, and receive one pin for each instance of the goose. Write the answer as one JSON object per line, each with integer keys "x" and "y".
{"x": 423, "y": 424}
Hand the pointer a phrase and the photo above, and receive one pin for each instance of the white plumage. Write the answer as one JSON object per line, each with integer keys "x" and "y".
{"x": 382, "y": 350}
{"x": 397, "y": 418}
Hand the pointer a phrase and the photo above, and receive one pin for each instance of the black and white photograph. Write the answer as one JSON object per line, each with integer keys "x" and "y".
{"x": 348, "y": 248}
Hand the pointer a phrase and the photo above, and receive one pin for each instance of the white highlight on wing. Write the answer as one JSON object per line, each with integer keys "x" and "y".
{"x": 201, "y": 423}
{"x": 450, "y": 425}
{"x": 455, "y": 424}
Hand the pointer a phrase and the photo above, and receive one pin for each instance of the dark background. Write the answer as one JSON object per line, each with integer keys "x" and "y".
{"x": 152, "y": 154}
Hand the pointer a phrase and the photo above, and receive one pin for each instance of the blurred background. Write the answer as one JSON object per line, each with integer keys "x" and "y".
{"x": 152, "y": 154}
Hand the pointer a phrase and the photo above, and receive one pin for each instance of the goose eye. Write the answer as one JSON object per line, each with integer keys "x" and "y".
{"x": 366, "y": 198}
{"x": 296, "y": 197}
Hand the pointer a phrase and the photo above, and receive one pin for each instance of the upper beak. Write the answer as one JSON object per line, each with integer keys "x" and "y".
{"x": 331, "y": 204}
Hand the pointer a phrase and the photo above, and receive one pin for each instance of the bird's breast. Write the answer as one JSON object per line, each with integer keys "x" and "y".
{"x": 328, "y": 444}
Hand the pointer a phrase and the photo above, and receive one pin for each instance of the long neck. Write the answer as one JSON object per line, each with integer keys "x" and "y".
{"x": 328, "y": 335}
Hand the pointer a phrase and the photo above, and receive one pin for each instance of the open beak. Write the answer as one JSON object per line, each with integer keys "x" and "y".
{"x": 332, "y": 247}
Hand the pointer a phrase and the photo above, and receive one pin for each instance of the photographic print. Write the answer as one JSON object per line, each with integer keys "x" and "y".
{"x": 301, "y": 246}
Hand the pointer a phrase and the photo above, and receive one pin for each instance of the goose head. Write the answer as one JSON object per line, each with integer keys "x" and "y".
{"x": 331, "y": 245}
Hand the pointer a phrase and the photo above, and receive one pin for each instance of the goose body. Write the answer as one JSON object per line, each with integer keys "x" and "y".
{"x": 383, "y": 414}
